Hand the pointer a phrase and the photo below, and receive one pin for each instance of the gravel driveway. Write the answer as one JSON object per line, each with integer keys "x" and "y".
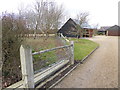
{"x": 100, "y": 70}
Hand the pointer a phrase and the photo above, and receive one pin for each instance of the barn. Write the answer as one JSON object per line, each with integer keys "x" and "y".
{"x": 113, "y": 31}
{"x": 69, "y": 29}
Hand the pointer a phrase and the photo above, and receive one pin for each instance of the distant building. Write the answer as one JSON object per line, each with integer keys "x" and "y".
{"x": 102, "y": 30}
{"x": 88, "y": 32}
{"x": 113, "y": 31}
{"x": 71, "y": 29}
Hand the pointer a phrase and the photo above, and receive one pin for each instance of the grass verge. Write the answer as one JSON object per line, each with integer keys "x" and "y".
{"x": 83, "y": 47}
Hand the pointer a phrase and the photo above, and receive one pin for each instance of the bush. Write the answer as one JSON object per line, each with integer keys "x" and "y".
{"x": 10, "y": 50}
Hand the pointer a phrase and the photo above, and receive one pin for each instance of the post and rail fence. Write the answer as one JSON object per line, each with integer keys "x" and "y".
{"x": 29, "y": 79}
{"x": 64, "y": 38}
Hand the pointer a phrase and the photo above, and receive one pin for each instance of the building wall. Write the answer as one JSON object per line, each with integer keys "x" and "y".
{"x": 113, "y": 32}
{"x": 88, "y": 33}
{"x": 91, "y": 33}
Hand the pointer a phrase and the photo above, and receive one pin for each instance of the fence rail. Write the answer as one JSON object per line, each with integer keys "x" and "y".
{"x": 34, "y": 35}
{"x": 64, "y": 38}
{"x": 47, "y": 50}
{"x": 29, "y": 79}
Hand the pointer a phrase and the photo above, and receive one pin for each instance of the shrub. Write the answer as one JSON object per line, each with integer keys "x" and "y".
{"x": 10, "y": 49}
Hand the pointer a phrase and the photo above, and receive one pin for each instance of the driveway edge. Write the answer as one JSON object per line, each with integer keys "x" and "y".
{"x": 73, "y": 68}
{"x": 88, "y": 55}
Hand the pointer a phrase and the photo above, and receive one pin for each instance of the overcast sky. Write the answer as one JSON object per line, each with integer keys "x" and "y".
{"x": 102, "y": 12}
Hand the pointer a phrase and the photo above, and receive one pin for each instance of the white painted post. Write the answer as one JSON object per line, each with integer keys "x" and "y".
{"x": 27, "y": 66}
{"x": 72, "y": 53}
{"x": 106, "y": 33}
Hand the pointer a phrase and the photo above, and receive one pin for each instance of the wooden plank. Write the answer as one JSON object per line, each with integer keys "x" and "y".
{"x": 51, "y": 78}
{"x": 17, "y": 85}
{"x": 47, "y": 50}
{"x": 64, "y": 38}
{"x": 27, "y": 66}
{"x": 72, "y": 53}
{"x": 40, "y": 76}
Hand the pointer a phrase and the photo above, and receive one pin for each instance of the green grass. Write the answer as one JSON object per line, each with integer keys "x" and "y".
{"x": 46, "y": 59}
{"x": 40, "y": 44}
{"x": 83, "y": 47}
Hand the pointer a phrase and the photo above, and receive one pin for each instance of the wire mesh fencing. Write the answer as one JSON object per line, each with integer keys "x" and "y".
{"x": 46, "y": 58}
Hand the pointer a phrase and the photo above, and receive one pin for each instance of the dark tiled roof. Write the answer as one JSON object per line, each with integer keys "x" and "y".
{"x": 104, "y": 28}
{"x": 115, "y": 27}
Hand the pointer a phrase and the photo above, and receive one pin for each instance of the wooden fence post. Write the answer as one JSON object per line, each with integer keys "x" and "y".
{"x": 27, "y": 66}
{"x": 72, "y": 53}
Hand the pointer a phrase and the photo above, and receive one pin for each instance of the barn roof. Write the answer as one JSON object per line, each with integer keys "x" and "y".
{"x": 68, "y": 24}
{"x": 115, "y": 27}
{"x": 73, "y": 23}
{"x": 71, "y": 28}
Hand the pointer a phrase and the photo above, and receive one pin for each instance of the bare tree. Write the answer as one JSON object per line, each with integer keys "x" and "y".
{"x": 39, "y": 7}
{"x": 52, "y": 16}
{"x": 30, "y": 19}
{"x": 82, "y": 21}
{"x": 95, "y": 28}
{"x": 83, "y": 18}
{"x": 44, "y": 16}
{"x": 32, "y": 15}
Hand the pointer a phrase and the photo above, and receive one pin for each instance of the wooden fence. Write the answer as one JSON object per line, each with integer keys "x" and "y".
{"x": 64, "y": 38}
{"x": 34, "y": 35}
{"x": 29, "y": 79}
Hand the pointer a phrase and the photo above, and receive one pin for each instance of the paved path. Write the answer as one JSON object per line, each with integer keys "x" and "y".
{"x": 100, "y": 70}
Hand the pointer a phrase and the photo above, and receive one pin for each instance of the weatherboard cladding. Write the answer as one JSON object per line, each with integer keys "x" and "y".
{"x": 69, "y": 29}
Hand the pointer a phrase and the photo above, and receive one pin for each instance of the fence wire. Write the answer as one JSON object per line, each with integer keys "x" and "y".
{"x": 47, "y": 59}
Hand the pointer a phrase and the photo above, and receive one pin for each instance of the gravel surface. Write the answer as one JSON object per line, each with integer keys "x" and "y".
{"x": 100, "y": 70}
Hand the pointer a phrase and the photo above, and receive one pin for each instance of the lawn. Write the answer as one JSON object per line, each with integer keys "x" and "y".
{"x": 44, "y": 59}
{"x": 40, "y": 43}
{"x": 83, "y": 47}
